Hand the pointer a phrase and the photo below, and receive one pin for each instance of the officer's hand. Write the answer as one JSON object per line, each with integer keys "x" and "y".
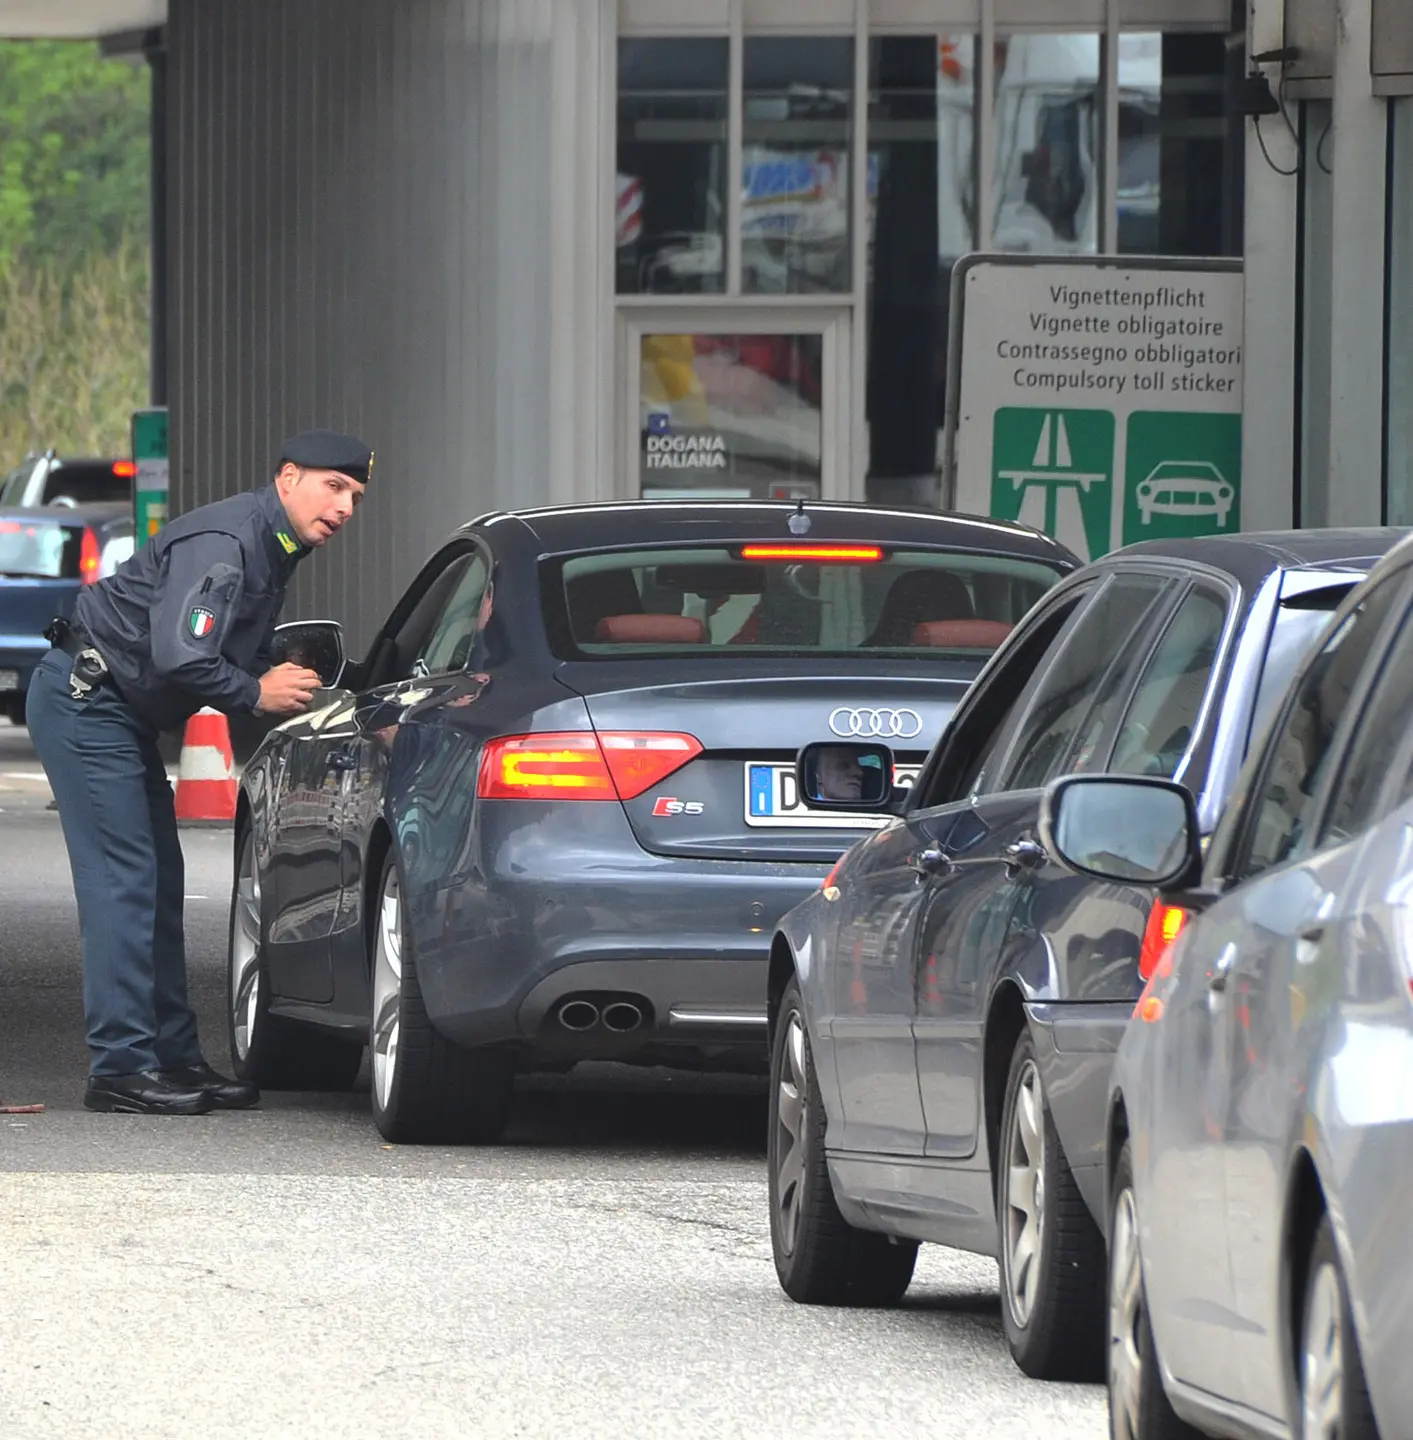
{"x": 287, "y": 690}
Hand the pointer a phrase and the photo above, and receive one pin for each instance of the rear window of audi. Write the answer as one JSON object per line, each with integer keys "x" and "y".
{"x": 806, "y": 599}
{"x": 39, "y": 550}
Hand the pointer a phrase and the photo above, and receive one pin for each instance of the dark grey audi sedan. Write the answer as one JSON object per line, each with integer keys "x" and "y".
{"x": 945, "y": 1009}
{"x": 552, "y": 814}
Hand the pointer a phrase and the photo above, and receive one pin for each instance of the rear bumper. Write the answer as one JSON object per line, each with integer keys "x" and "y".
{"x": 1075, "y": 1045}
{"x": 685, "y": 941}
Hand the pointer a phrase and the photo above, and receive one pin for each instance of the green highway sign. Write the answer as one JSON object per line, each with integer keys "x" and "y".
{"x": 150, "y": 489}
{"x": 1182, "y": 475}
{"x": 1053, "y": 470}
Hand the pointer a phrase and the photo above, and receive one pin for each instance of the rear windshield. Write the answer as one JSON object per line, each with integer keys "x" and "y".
{"x": 700, "y": 600}
{"x": 41, "y": 550}
{"x": 86, "y": 482}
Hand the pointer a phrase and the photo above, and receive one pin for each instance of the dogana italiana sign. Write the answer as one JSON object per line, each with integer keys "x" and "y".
{"x": 1098, "y": 400}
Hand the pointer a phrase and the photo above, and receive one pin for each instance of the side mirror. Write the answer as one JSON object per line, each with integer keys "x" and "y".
{"x": 1127, "y": 829}
{"x": 315, "y": 644}
{"x": 834, "y": 775}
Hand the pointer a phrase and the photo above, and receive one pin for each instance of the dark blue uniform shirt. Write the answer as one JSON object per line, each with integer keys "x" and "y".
{"x": 188, "y": 621}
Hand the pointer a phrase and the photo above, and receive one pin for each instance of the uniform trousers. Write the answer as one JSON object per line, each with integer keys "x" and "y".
{"x": 120, "y": 826}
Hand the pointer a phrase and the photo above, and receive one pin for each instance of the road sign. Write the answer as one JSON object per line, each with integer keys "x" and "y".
{"x": 150, "y": 489}
{"x": 1098, "y": 399}
{"x": 1051, "y": 469}
{"x": 1182, "y": 476}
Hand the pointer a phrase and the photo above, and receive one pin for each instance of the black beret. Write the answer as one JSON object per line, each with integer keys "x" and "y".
{"x": 328, "y": 450}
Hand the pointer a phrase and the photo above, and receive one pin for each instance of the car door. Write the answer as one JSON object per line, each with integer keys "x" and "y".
{"x": 421, "y": 665}
{"x": 874, "y": 975}
{"x": 992, "y": 842}
{"x": 1316, "y": 797}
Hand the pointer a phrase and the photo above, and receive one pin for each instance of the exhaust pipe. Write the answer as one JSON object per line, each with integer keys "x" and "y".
{"x": 578, "y": 1015}
{"x": 621, "y": 1017}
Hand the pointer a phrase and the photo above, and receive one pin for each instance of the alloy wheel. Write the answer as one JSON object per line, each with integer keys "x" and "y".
{"x": 1322, "y": 1393}
{"x": 245, "y": 952}
{"x": 1125, "y": 1317}
{"x": 387, "y": 990}
{"x": 1024, "y": 1195}
{"x": 792, "y": 1118}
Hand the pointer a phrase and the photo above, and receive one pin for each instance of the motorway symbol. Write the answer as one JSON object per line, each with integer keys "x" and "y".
{"x": 1053, "y": 469}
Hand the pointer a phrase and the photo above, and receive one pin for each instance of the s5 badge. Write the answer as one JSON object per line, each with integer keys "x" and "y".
{"x": 667, "y": 805}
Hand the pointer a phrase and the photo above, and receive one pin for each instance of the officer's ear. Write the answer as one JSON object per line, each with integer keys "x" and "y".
{"x": 288, "y": 476}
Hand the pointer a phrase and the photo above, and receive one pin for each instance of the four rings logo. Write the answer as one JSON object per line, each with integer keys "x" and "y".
{"x": 885, "y": 724}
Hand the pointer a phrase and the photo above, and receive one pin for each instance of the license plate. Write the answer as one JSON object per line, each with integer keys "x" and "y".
{"x": 9, "y": 679}
{"x": 773, "y": 799}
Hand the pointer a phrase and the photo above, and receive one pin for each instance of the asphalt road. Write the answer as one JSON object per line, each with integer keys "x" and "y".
{"x": 282, "y": 1272}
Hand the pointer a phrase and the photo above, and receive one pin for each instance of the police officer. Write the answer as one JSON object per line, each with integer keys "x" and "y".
{"x": 187, "y": 622}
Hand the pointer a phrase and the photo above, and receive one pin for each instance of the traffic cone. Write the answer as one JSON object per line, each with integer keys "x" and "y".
{"x": 206, "y": 787}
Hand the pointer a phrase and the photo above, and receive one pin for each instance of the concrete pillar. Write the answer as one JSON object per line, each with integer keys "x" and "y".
{"x": 1356, "y": 154}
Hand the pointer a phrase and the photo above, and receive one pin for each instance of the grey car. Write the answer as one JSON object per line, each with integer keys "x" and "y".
{"x": 945, "y": 1010}
{"x": 1260, "y": 1153}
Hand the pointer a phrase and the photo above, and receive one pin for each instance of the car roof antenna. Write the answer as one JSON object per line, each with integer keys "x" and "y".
{"x": 799, "y": 521}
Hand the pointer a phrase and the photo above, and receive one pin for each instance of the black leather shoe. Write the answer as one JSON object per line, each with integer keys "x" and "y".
{"x": 145, "y": 1093}
{"x": 224, "y": 1094}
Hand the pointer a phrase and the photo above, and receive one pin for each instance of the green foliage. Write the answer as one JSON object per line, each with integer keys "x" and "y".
{"x": 73, "y": 353}
{"x": 74, "y": 151}
{"x": 74, "y": 177}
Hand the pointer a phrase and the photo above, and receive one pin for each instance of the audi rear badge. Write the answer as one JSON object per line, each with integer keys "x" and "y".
{"x": 875, "y": 724}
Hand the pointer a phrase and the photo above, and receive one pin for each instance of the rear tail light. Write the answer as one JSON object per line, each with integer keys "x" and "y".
{"x": 88, "y": 558}
{"x": 126, "y": 468}
{"x": 581, "y": 764}
{"x": 1155, "y": 962}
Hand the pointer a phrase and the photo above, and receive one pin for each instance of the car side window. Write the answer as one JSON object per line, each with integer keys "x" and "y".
{"x": 1374, "y": 749}
{"x": 1296, "y": 758}
{"x": 978, "y": 732}
{"x": 1078, "y": 695}
{"x": 448, "y": 645}
{"x": 1162, "y": 717}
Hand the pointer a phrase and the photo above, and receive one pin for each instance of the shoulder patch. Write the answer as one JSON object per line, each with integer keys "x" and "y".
{"x": 200, "y": 621}
{"x": 290, "y": 545}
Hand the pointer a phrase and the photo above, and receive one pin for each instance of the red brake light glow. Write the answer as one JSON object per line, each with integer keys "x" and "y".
{"x": 580, "y": 764}
{"x": 1155, "y": 959}
{"x": 125, "y": 468}
{"x": 88, "y": 558}
{"x": 812, "y": 552}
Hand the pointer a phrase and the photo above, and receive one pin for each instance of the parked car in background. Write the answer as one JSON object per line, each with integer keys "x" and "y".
{"x": 51, "y": 479}
{"x": 46, "y": 555}
{"x": 551, "y": 815}
{"x": 1259, "y": 1136}
{"x": 945, "y": 1009}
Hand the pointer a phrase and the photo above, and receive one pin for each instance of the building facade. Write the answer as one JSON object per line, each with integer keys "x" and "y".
{"x": 549, "y": 250}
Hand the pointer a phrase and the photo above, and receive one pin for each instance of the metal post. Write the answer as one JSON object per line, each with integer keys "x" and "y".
{"x": 154, "y": 48}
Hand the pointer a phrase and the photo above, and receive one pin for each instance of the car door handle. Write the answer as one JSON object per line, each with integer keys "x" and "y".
{"x": 1026, "y": 854}
{"x": 1221, "y": 968}
{"x": 931, "y": 861}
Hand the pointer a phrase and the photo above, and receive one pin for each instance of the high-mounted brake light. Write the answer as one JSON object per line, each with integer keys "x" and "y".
{"x": 812, "y": 552}
{"x": 88, "y": 558}
{"x": 126, "y": 468}
{"x": 580, "y": 764}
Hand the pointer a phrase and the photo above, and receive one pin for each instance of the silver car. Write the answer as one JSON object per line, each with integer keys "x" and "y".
{"x": 1261, "y": 1115}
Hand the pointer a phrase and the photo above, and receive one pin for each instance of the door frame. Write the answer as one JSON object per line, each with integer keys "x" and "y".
{"x": 840, "y": 478}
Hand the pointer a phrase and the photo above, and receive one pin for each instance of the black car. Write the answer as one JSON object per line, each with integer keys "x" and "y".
{"x": 552, "y": 813}
{"x": 46, "y": 556}
{"x": 945, "y": 1009}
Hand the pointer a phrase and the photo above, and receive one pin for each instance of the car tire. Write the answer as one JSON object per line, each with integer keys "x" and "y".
{"x": 426, "y": 1090}
{"x": 269, "y": 1050}
{"x": 1139, "y": 1408}
{"x": 1051, "y": 1252}
{"x": 820, "y": 1258}
{"x": 1334, "y": 1396}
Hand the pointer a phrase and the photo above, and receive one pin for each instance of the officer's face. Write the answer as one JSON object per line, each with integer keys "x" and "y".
{"x": 318, "y": 502}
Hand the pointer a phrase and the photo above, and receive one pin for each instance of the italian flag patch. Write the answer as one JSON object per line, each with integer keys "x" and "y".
{"x": 201, "y": 621}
